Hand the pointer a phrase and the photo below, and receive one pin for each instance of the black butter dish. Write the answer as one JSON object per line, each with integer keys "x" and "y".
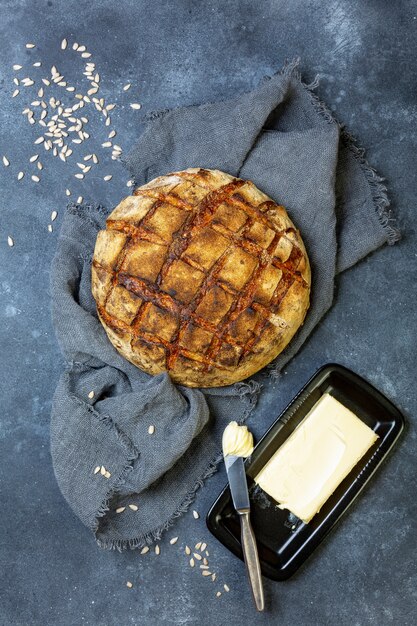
{"x": 285, "y": 541}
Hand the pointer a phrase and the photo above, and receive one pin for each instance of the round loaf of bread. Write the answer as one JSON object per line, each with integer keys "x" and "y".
{"x": 202, "y": 275}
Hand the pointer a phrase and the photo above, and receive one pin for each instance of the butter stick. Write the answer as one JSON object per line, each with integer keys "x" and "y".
{"x": 318, "y": 455}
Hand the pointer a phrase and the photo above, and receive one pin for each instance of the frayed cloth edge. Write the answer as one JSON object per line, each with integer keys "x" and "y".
{"x": 251, "y": 389}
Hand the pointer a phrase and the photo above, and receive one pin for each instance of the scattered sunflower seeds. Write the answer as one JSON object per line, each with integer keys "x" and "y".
{"x": 33, "y": 158}
{"x": 151, "y": 429}
{"x": 203, "y": 547}
{"x": 126, "y": 87}
{"x": 108, "y": 177}
{"x": 144, "y": 550}
{"x": 205, "y": 572}
{"x": 97, "y": 469}
{"x": 35, "y": 179}
{"x": 30, "y": 45}
{"x": 192, "y": 562}
{"x": 187, "y": 550}
{"x": 67, "y": 192}
{"x": 102, "y": 470}
{"x": 134, "y": 507}
{"x": 157, "y": 549}
{"x": 80, "y": 199}
{"x": 20, "y": 175}
{"x": 91, "y": 394}
{"x": 120, "y": 509}
{"x": 64, "y": 44}
{"x": 10, "y": 241}
{"x": 17, "y": 67}
{"x": 198, "y": 545}
{"x": 226, "y": 587}
{"x": 135, "y": 106}
{"x": 6, "y": 161}
{"x": 15, "y": 93}
{"x": 197, "y": 556}
{"x": 173, "y": 540}
{"x": 195, "y": 515}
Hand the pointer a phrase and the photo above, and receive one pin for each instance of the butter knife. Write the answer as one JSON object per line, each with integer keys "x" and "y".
{"x": 239, "y": 488}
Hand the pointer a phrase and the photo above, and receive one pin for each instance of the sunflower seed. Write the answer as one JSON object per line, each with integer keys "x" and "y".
{"x": 218, "y": 594}
{"x": 112, "y": 134}
{"x": 226, "y": 588}
{"x": 86, "y": 55}
{"x": 130, "y": 183}
{"x": 17, "y": 67}
{"x": 39, "y": 165}
{"x": 33, "y": 158}
{"x": 67, "y": 192}
{"x": 213, "y": 577}
{"x": 192, "y": 563}
{"x": 46, "y": 81}
{"x": 28, "y": 82}
{"x": 106, "y": 144}
{"x": 80, "y": 176}
{"x": 108, "y": 177}
{"x": 16, "y": 81}
{"x": 75, "y": 46}
{"x": 207, "y": 553}
{"x": 95, "y": 159}
{"x": 64, "y": 43}
{"x": 205, "y": 561}
{"x": 195, "y": 515}
{"x": 50, "y": 228}
{"x": 79, "y": 200}
{"x": 15, "y": 93}
{"x": 198, "y": 545}
{"x": 102, "y": 470}
{"x": 126, "y": 87}
{"x": 187, "y": 550}
{"x": 151, "y": 429}
{"x": 39, "y": 140}
{"x": 173, "y": 540}
{"x": 35, "y": 179}
{"x": 10, "y": 241}
{"x": 107, "y": 474}
{"x": 197, "y": 556}
{"x": 135, "y": 106}
{"x": 37, "y": 64}
{"x": 144, "y": 550}
{"x": 91, "y": 394}
{"x": 203, "y": 547}
{"x": 206, "y": 572}
{"x": 30, "y": 45}
{"x": 129, "y": 584}
{"x": 107, "y": 122}
{"x": 97, "y": 469}
{"x": 157, "y": 549}
{"x": 20, "y": 175}
{"x": 120, "y": 509}
{"x": 6, "y": 161}
{"x": 134, "y": 507}
{"x": 203, "y": 566}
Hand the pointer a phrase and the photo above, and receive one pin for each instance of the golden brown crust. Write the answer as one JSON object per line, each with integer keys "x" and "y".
{"x": 200, "y": 274}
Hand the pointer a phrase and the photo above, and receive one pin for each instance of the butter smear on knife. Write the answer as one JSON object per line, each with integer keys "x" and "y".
{"x": 237, "y": 440}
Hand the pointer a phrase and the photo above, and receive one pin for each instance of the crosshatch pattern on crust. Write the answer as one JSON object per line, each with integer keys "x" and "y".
{"x": 201, "y": 274}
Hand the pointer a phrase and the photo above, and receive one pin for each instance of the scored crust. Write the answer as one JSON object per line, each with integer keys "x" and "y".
{"x": 200, "y": 274}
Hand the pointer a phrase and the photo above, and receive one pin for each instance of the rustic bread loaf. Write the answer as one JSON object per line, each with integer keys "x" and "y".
{"x": 200, "y": 274}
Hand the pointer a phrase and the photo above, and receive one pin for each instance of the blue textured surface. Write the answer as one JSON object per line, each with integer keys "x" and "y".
{"x": 186, "y": 52}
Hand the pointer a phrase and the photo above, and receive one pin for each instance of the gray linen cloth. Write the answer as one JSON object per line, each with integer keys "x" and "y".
{"x": 283, "y": 139}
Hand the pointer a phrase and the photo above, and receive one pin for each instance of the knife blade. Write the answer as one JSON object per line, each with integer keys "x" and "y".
{"x": 235, "y": 468}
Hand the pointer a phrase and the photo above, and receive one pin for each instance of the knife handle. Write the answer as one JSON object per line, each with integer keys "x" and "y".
{"x": 250, "y": 553}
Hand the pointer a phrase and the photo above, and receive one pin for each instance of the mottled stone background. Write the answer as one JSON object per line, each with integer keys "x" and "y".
{"x": 177, "y": 53}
